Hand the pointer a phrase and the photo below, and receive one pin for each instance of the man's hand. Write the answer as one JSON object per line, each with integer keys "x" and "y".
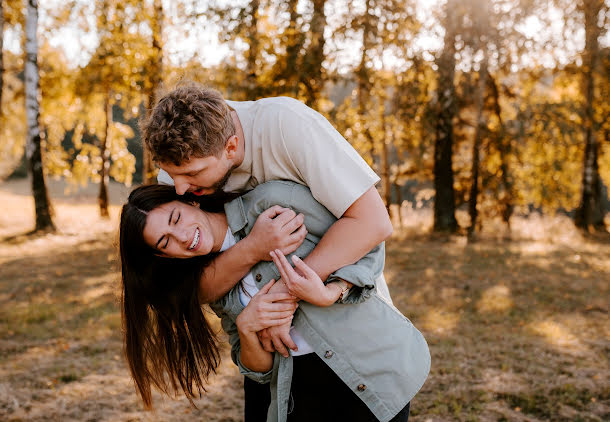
{"x": 266, "y": 310}
{"x": 276, "y": 228}
{"x": 278, "y": 337}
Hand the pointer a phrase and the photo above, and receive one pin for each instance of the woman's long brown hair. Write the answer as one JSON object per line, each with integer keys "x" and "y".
{"x": 168, "y": 341}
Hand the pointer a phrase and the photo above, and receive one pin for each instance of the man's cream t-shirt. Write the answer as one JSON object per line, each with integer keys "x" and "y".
{"x": 286, "y": 140}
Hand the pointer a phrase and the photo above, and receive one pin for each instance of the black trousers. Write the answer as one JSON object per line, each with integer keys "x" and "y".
{"x": 257, "y": 398}
{"x": 317, "y": 394}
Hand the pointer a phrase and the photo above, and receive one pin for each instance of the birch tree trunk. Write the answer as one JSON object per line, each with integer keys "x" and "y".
{"x": 590, "y": 213}
{"x": 42, "y": 205}
{"x": 105, "y": 154}
{"x": 476, "y": 146}
{"x": 444, "y": 202}
{"x": 156, "y": 78}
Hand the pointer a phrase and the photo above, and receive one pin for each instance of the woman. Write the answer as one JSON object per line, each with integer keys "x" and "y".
{"x": 371, "y": 356}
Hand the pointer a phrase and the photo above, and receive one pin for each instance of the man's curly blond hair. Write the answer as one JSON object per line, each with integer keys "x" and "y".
{"x": 190, "y": 121}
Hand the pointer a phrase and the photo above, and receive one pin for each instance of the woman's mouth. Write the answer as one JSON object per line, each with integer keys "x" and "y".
{"x": 195, "y": 243}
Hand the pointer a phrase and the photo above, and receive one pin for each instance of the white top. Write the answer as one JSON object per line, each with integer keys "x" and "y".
{"x": 286, "y": 140}
{"x": 249, "y": 289}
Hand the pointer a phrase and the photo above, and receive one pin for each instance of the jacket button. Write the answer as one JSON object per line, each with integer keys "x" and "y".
{"x": 361, "y": 387}
{"x": 329, "y": 354}
{"x": 259, "y": 277}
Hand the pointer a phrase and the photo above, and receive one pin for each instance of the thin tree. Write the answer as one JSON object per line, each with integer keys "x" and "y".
{"x": 313, "y": 75}
{"x": 444, "y": 202}
{"x": 44, "y": 220}
{"x": 155, "y": 73}
{"x": 590, "y": 213}
{"x": 481, "y": 125}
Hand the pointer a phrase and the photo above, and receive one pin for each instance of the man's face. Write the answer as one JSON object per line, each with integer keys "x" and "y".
{"x": 200, "y": 175}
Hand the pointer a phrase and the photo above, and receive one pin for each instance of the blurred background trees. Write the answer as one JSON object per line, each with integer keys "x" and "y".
{"x": 491, "y": 107}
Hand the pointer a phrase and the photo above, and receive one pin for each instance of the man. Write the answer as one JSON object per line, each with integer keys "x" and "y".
{"x": 205, "y": 144}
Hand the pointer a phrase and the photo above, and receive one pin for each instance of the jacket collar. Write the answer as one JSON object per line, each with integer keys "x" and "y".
{"x": 236, "y": 215}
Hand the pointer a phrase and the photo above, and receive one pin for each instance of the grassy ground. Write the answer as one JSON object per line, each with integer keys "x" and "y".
{"x": 519, "y": 330}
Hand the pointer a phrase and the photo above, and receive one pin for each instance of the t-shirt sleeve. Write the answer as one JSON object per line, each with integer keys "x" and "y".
{"x": 332, "y": 169}
{"x": 163, "y": 178}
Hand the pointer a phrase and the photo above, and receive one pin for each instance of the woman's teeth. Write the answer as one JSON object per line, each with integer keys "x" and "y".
{"x": 195, "y": 239}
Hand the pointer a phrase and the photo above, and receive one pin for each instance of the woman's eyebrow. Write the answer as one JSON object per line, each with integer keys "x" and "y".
{"x": 159, "y": 241}
{"x": 169, "y": 220}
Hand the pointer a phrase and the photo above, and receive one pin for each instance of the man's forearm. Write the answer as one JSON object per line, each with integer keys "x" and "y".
{"x": 225, "y": 271}
{"x": 363, "y": 226}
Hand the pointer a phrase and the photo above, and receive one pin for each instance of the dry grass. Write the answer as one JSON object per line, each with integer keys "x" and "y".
{"x": 518, "y": 330}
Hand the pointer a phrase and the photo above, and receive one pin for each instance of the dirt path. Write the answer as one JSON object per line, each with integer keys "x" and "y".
{"x": 518, "y": 330}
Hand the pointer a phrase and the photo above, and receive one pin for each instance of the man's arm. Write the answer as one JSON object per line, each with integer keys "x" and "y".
{"x": 364, "y": 225}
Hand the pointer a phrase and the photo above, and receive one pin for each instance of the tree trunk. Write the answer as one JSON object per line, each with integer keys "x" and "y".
{"x": 42, "y": 205}
{"x": 505, "y": 149}
{"x": 105, "y": 154}
{"x": 444, "y": 202}
{"x": 364, "y": 83}
{"x": 313, "y": 77}
{"x": 590, "y": 213}
{"x": 156, "y": 78}
{"x": 476, "y": 145}
{"x": 252, "y": 90}
{"x": 399, "y": 201}
{"x": 385, "y": 166}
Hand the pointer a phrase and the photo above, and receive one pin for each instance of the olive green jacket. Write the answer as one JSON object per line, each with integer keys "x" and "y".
{"x": 365, "y": 340}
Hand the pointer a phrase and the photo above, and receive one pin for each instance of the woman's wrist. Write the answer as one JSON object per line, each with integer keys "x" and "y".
{"x": 333, "y": 293}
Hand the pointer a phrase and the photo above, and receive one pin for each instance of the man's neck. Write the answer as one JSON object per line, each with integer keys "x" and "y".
{"x": 239, "y": 132}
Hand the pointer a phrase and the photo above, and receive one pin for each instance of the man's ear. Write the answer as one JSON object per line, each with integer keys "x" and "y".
{"x": 231, "y": 147}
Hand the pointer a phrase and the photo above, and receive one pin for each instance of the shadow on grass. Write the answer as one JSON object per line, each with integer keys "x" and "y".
{"x": 514, "y": 328}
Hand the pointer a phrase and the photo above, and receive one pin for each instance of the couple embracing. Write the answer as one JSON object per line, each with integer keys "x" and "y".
{"x": 273, "y": 220}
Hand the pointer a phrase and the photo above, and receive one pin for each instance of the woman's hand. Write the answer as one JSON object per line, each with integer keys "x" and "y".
{"x": 265, "y": 310}
{"x": 303, "y": 282}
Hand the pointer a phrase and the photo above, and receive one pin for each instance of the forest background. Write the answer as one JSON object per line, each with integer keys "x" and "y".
{"x": 487, "y": 120}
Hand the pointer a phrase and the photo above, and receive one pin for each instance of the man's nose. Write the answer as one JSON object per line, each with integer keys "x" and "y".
{"x": 181, "y": 186}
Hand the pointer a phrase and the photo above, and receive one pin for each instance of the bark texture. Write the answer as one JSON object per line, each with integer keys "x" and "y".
{"x": 590, "y": 213}
{"x": 42, "y": 205}
{"x": 105, "y": 154}
{"x": 444, "y": 203}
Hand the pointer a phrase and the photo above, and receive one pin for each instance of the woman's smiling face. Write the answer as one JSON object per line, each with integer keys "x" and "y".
{"x": 179, "y": 230}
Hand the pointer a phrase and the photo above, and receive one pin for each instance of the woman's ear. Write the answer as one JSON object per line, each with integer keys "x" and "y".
{"x": 195, "y": 204}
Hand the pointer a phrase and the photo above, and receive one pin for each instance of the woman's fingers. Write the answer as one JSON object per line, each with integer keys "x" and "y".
{"x": 281, "y": 321}
{"x": 280, "y": 296}
{"x": 303, "y": 267}
{"x": 284, "y": 266}
{"x": 266, "y": 287}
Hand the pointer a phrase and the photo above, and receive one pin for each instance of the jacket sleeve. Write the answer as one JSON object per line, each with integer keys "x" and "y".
{"x": 362, "y": 275}
{"x": 229, "y": 326}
